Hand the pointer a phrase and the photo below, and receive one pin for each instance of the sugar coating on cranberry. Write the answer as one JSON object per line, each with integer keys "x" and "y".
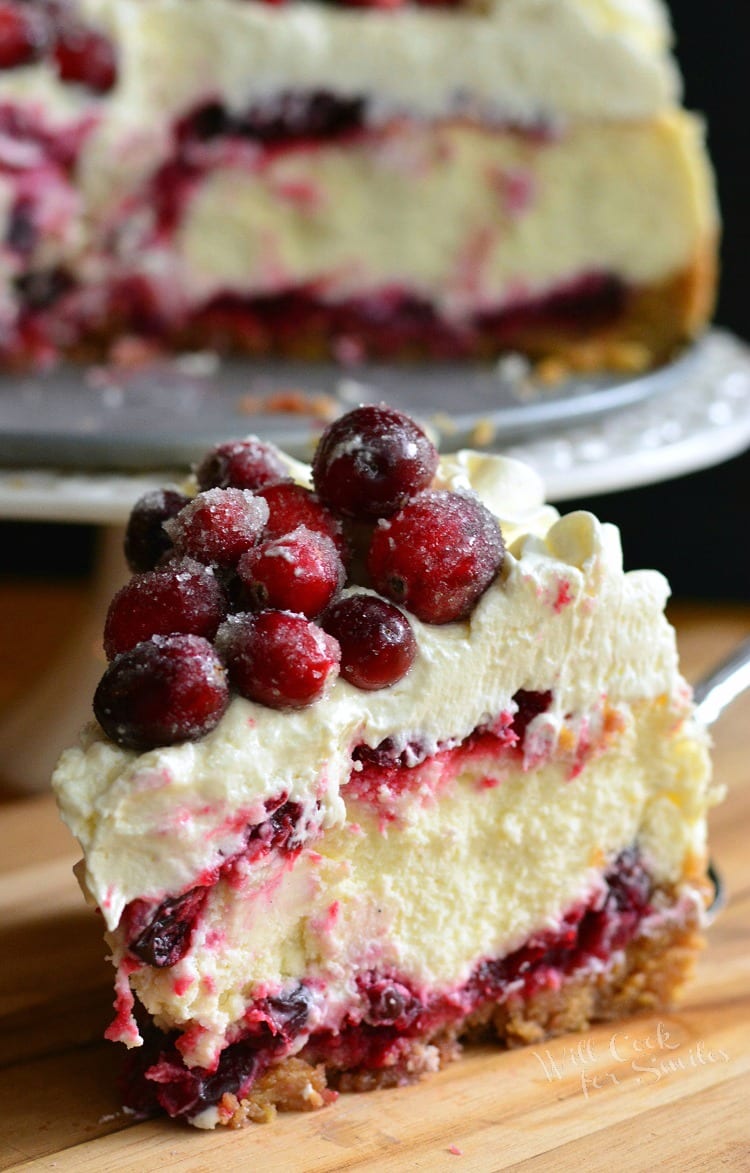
{"x": 146, "y": 540}
{"x": 165, "y": 690}
{"x": 278, "y": 658}
{"x": 437, "y": 556}
{"x": 218, "y": 526}
{"x": 183, "y": 597}
{"x": 378, "y": 646}
{"x": 241, "y": 464}
{"x": 371, "y": 461}
{"x": 301, "y": 571}
{"x": 290, "y": 505}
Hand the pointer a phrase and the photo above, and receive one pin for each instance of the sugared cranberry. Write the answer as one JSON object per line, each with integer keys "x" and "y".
{"x": 85, "y": 56}
{"x": 241, "y": 464}
{"x": 301, "y": 571}
{"x": 23, "y": 35}
{"x": 371, "y": 461}
{"x": 437, "y": 556}
{"x": 167, "y": 689}
{"x": 290, "y": 505}
{"x": 218, "y": 526}
{"x": 166, "y": 937}
{"x": 278, "y": 659}
{"x": 377, "y": 643}
{"x": 183, "y": 597}
{"x": 146, "y": 540}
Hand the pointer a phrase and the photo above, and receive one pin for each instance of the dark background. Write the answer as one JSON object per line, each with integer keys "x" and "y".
{"x": 694, "y": 528}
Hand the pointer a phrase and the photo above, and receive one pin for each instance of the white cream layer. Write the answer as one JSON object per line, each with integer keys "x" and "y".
{"x": 563, "y": 616}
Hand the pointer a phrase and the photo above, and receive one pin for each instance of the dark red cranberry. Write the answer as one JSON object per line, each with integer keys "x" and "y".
{"x": 21, "y": 234}
{"x": 218, "y": 526}
{"x": 371, "y": 461}
{"x": 530, "y": 705}
{"x": 241, "y": 464}
{"x": 168, "y": 689}
{"x": 23, "y": 35}
{"x": 85, "y": 56}
{"x": 278, "y": 659}
{"x": 437, "y": 556}
{"x": 146, "y": 540}
{"x": 390, "y": 1003}
{"x": 377, "y": 643}
{"x": 166, "y": 938}
{"x": 301, "y": 571}
{"x": 289, "y": 1012}
{"x": 290, "y": 505}
{"x": 183, "y": 597}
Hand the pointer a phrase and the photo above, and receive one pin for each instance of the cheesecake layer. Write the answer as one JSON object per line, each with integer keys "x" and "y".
{"x": 408, "y": 893}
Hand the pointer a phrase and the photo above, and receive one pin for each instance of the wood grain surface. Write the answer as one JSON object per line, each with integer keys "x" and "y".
{"x": 669, "y": 1091}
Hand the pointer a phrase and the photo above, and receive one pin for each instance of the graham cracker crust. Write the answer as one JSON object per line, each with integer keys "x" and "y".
{"x": 647, "y": 976}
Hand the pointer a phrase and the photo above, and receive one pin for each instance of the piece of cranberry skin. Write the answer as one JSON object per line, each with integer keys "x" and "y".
{"x": 291, "y": 505}
{"x": 278, "y": 658}
{"x": 146, "y": 540}
{"x": 301, "y": 571}
{"x": 437, "y": 556}
{"x": 23, "y": 35}
{"x": 241, "y": 464}
{"x": 182, "y": 598}
{"x": 371, "y": 461}
{"x": 218, "y": 526}
{"x": 85, "y": 56}
{"x": 378, "y": 646}
{"x": 168, "y": 689}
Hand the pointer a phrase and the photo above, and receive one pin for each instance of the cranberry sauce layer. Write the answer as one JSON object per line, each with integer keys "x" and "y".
{"x": 51, "y": 31}
{"x": 389, "y": 1010}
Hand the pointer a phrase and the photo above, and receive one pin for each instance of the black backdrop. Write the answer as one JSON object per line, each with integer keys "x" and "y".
{"x": 694, "y": 528}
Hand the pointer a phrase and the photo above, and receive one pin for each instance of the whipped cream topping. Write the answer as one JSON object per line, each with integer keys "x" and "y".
{"x": 562, "y": 616}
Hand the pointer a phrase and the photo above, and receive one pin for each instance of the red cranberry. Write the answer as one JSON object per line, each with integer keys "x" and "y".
{"x": 168, "y": 689}
{"x": 146, "y": 540}
{"x": 166, "y": 937}
{"x": 23, "y": 35}
{"x": 377, "y": 643}
{"x": 180, "y": 598}
{"x": 85, "y": 56}
{"x": 291, "y": 505}
{"x": 301, "y": 571}
{"x": 530, "y": 705}
{"x": 437, "y": 556}
{"x": 218, "y": 526}
{"x": 278, "y": 659}
{"x": 241, "y": 464}
{"x": 371, "y": 461}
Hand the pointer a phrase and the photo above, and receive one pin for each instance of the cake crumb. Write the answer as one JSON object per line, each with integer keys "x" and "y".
{"x": 483, "y": 433}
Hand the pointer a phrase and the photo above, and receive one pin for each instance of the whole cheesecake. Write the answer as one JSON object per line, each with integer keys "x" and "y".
{"x": 377, "y": 767}
{"x": 350, "y": 180}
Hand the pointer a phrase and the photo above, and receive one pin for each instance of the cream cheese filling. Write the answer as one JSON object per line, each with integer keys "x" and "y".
{"x": 469, "y": 875}
{"x": 507, "y": 216}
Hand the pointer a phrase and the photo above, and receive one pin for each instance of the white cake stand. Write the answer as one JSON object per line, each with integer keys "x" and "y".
{"x": 697, "y": 421}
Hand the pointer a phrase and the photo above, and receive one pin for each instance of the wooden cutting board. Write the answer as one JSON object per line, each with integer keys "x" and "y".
{"x": 667, "y": 1091}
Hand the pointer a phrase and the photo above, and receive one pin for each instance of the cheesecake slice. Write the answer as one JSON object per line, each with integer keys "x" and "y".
{"x": 388, "y": 754}
{"x": 350, "y": 181}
